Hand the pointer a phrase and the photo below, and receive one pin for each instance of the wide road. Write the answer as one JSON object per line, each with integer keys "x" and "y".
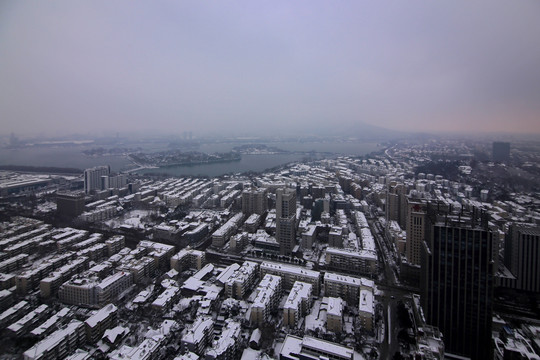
{"x": 391, "y": 292}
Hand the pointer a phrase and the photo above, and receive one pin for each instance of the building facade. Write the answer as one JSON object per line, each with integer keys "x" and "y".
{"x": 457, "y": 283}
{"x": 286, "y": 220}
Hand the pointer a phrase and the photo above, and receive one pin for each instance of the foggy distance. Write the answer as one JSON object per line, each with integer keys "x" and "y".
{"x": 272, "y": 67}
{"x": 270, "y": 180}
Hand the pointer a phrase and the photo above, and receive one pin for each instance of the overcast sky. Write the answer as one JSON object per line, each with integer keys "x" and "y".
{"x": 174, "y": 66}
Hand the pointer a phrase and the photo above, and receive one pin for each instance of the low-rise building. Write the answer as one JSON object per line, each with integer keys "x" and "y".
{"x": 290, "y": 274}
{"x": 103, "y": 319}
{"x": 188, "y": 258}
{"x": 346, "y": 287}
{"x": 266, "y": 300}
{"x": 222, "y": 235}
{"x": 297, "y": 304}
{"x": 226, "y": 346}
{"x": 296, "y": 348}
{"x": 59, "y": 344}
{"x": 198, "y": 336}
{"x": 366, "y": 309}
{"x": 334, "y": 315}
{"x": 23, "y": 325}
{"x": 242, "y": 280}
{"x": 361, "y": 262}
{"x": 166, "y": 299}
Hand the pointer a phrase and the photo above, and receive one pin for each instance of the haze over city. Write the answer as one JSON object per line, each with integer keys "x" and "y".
{"x": 259, "y": 67}
{"x": 269, "y": 180}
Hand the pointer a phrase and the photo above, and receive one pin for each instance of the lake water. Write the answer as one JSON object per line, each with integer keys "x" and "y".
{"x": 73, "y": 157}
{"x": 255, "y": 163}
{"x": 66, "y": 157}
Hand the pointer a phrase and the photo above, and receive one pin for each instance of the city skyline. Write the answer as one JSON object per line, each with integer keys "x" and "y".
{"x": 254, "y": 68}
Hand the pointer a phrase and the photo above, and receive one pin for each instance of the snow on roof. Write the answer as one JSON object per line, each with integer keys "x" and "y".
{"x": 327, "y": 347}
{"x": 362, "y": 254}
{"x": 155, "y": 246}
{"x": 266, "y": 289}
{"x": 14, "y": 309}
{"x": 291, "y": 346}
{"x": 243, "y": 273}
{"x": 187, "y": 356}
{"x": 112, "y": 334}
{"x": 101, "y": 315}
{"x": 300, "y": 291}
{"x": 228, "y": 338}
{"x": 291, "y": 269}
{"x": 230, "y": 224}
{"x": 52, "y": 340}
{"x": 51, "y": 322}
{"x": 166, "y": 327}
{"x": 196, "y": 333}
{"x": 112, "y": 279}
{"x": 165, "y": 296}
{"x": 18, "y": 325}
{"x": 227, "y": 273}
{"x": 335, "y": 306}
{"x": 79, "y": 355}
{"x": 366, "y": 301}
{"x": 207, "y": 269}
{"x": 349, "y": 280}
{"x": 192, "y": 284}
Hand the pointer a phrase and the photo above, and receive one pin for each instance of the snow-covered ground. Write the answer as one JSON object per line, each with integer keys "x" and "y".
{"x": 133, "y": 219}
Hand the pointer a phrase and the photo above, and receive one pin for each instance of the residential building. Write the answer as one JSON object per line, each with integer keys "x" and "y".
{"x": 198, "y": 336}
{"x": 290, "y": 274}
{"x": 254, "y": 201}
{"x": 286, "y": 220}
{"x": 267, "y": 299}
{"x": 297, "y": 304}
{"x": 346, "y": 287}
{"x": 103, "y": 319}
{"x": 296, "y": 348}
{"x": 334, "y": 315}
{"x": 92, "y": 177}
{"x": 242, "y": 280}
{"x": 59, "y": 344}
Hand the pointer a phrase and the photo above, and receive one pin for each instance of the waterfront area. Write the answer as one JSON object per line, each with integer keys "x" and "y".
{"x": 313, "y": 256}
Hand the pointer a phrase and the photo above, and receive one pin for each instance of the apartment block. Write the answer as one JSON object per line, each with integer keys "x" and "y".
{"x": 242, "y": 280}
{"x": 267, "y": 299}
{"x": 297, "y": 304}
{"x": 290, "y": 274}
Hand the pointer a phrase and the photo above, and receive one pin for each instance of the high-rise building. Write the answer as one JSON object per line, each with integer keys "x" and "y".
{"x": 457, "y": 280}
{"x": 416, "y": 221}
{"x": 92, "y": 177}
{"x": 69, "y": 204}
{"x": 501, "y": 151}
{"x": 254, "y": 201}
{"x": 522, "y": 257}
{"x": 286, "y": 220}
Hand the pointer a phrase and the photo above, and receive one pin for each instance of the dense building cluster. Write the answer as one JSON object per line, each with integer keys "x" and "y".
{"x": 344, "y": 258}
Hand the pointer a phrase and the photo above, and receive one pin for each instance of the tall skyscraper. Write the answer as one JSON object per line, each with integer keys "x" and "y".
{"x": 92, "y": 177}
{"x": 286, "y": 220}
{"x": 457, "y": 282}
{"x": 416, "y": 222}
{"x": 396, "y": 199}
{"x": 522, "y": 257}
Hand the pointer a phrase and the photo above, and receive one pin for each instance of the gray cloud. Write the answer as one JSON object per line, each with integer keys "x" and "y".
{"x": 248, "y": 66}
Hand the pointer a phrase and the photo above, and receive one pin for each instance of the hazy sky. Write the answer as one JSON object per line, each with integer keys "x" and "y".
{"x": 174, "y": 66}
